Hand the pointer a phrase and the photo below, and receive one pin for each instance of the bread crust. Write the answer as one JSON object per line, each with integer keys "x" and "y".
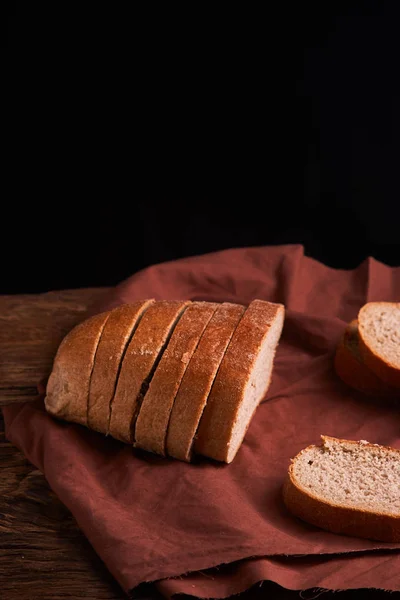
{"x": 113, "y": 342}
{"x": 351, "y": 368}
{"x": 67, "y": 389}
{"x": 337, "y": 518}
{"x": 142, "y": 354}
{"x": 135, "y": 357}
{"x": 226, "y": 396}
{"x": 385, "y": 370}
{"x": 198, "y": 379}
{"x": 153, "y": 419}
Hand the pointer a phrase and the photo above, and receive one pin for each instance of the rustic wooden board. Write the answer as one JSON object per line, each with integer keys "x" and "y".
{"x": 43, "y": 554}
{"x": 31, "y": 328}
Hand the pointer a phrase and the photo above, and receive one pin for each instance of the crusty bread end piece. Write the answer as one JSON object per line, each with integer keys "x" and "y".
{"x": 242, "y": 381}
{"x": 67, "y": 389}
{"x": 350, "y": 366}
{"x": 347, "y": 487}
{"x": 379, "y": 333}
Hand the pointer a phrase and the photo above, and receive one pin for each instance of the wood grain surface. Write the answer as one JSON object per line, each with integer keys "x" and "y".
{"x": 43, "y": 554}
{"x": 31, "y": 328}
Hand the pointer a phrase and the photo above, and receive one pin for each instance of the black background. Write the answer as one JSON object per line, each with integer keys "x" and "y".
{"x": 138, "y": 135}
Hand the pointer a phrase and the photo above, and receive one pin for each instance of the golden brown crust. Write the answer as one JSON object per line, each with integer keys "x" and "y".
{"x": 113, "y": 342}
{"x": 198, "y": 379}
{"x": 386, "y": 371}
{"x": 140, "y": 358}
{"x": 335, "y": 518}
{"x": 152, "y": 422}
{"x": 351, "y": 368}
{"x": 67, "y": 389}
{"x": 219, "y": 416}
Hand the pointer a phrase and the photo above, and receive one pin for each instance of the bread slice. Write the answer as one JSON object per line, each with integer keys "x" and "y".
{"x": 350, "y": 367}
{"x": 242, "y": 381}
{"x": 347, "y": 487}
{"x": 140, "y": 360}
{"x": 152, "y": 422}
{"x": 67, "y": 389}
{"x": 117, "y": 332}
{"x": 379, "y": 332}
{"x": 198, "y": 378}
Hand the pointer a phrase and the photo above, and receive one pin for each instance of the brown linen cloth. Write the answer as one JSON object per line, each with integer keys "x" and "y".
{"x": 151, "y": 518}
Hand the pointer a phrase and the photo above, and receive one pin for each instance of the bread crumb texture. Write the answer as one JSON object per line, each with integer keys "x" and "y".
{"x": 359, "y": 475}
{"x": 381, "y": 322}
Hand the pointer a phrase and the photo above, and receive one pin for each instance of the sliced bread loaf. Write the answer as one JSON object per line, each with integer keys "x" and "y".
{"x": 140, "y": 360}
{"x": 351, "y": 368}
{"x": 242, "y": 381}
{"x": 67, "y": 389}
{"x": 117, "y": 332}
{"x": 198, "y": 378}
{"x": 379, "y": 333}
{"x": 347, "y": 487}
{"x": 152, "y": 422}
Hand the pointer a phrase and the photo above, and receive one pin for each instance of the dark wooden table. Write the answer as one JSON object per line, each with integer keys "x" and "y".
{"x": 43, "y": 554}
